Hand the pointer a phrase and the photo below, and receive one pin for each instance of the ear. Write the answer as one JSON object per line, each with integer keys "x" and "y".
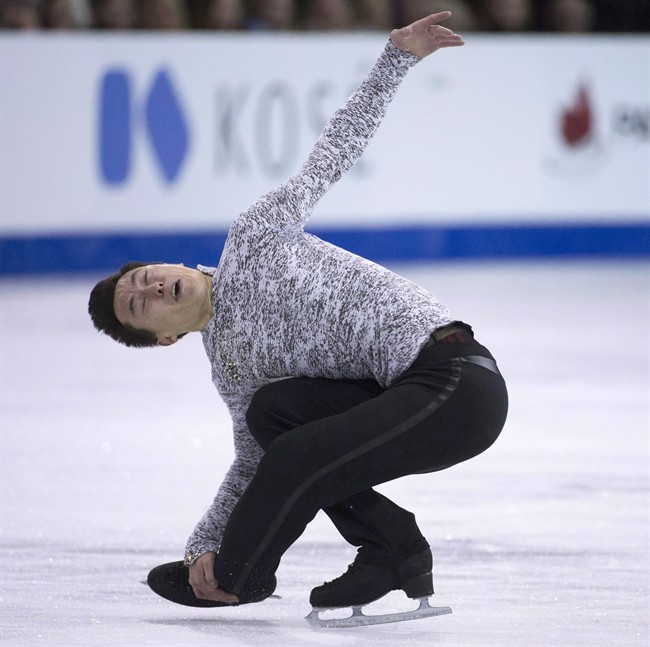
{"x": 168, "y": 340}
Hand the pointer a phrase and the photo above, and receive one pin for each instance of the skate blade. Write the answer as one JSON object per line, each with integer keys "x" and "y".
{"x": 359, "y": 619}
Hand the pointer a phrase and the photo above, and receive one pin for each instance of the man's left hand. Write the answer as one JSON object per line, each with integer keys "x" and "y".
{"x": 425, "y": 36}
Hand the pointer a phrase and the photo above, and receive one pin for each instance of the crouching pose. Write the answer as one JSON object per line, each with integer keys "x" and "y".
{"x": 338, "y": 374}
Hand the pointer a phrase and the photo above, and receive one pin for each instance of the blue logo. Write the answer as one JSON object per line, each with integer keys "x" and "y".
{"x": 164, "y": 124}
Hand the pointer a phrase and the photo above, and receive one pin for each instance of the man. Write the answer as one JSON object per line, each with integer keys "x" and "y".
{"x": 338, "y": 374}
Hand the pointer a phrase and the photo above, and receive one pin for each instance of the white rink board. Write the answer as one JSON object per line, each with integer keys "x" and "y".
{"x": 474, "y": 135}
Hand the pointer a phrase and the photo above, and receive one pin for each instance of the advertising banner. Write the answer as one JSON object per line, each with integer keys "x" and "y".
{"x": 123, "y": 134}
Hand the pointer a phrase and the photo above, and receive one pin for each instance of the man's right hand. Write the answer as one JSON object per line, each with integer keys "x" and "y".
{"x": 204, "y": 583}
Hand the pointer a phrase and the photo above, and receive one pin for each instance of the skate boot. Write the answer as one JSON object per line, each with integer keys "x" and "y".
{"x": 363, "y": 583}
{"x": 172, "y": 582}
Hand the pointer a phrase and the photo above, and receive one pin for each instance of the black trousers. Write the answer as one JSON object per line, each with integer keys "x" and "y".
{"x": 328, "y": 442}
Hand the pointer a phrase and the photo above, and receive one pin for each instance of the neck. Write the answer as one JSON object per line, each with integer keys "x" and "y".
{"x": 207, "y": 308}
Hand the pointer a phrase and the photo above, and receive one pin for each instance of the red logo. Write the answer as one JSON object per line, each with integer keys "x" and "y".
{"x": 577, "y": 120}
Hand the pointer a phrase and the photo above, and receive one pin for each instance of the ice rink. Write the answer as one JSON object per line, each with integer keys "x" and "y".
{"x": 110, "y": 455}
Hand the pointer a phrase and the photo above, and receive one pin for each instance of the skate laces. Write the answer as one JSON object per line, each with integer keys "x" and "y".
{"x": 352, "y": 570}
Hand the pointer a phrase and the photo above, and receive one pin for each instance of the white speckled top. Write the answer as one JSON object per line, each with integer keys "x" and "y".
{"x": 286, "y": 303}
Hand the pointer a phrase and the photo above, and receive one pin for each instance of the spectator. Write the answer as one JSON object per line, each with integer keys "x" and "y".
{"x": 58, "y": 14}
{"x": 622, "y": 15}
{"x": 20, "y": 14}
{"x": 215, "y": 14}
{"x": 463, "y": 19}
{"x": 272, "y": 15}
{"x": 328, "y": 15}
{"x": 161, "y": 14}
{"x": 572, "y": 16}
{"x": 506, "y": 15}
{"x": 375, "y": 15}
{"x": 568, "y": 16}
{"x": 114, "y": 14}
{"x": 225, "y": 14}
{"x": 53, "y": 14}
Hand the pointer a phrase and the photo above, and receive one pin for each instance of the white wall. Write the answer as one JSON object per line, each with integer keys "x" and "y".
{"x": 474, "y": 135}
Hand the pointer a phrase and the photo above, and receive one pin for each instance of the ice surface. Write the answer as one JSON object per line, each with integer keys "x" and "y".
{"x": 110, "y": 455}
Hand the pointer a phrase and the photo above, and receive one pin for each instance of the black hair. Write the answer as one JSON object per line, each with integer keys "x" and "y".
{"x": 102, "y": 311}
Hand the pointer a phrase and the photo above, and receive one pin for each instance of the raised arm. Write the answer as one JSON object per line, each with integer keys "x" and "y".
{"x": 350, "y": 129}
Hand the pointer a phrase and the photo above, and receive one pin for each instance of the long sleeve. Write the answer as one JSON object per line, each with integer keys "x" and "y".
{"x": 208, "y": 532}
{"x": 340, "y": 145}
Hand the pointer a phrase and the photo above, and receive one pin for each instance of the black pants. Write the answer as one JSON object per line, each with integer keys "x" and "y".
{"x": 328, "y": 442}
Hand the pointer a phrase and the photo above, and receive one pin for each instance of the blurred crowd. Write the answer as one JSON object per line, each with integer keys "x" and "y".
{"x": 574, "y": 16}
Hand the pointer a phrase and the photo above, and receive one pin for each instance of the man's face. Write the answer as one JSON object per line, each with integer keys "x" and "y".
{"x": 167, "y": 300}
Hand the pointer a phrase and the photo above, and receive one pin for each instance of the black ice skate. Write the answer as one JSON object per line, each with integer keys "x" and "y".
{"x": 172, "y": 582}
{"x": 364, "y": 583}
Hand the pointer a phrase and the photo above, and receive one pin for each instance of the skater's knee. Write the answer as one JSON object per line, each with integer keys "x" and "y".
{"x": 286, "y": 465}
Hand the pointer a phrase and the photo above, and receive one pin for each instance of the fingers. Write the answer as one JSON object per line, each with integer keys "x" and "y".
{"x": 205, "y": 591}
{"x": 219, "y": 595}
{"x": 444, "y": 37}
{"x": 430, "y": 21}
{"x": 204, "y": 583}
{"x": 435, "y": 18}
{"x": 426, "y": 36}
{"x": 208, "y": 580}
{"x": 439, "y": 29}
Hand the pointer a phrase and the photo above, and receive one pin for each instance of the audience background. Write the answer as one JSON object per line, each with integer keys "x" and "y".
{"x": 572, "y": 16}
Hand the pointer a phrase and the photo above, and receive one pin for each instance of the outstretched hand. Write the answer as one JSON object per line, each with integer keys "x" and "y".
{"x": 426, "y": 36}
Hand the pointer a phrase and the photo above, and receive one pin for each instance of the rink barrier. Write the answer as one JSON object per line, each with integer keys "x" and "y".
{"x": 182, "y": 131}
{"x": 90, "y": 252}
